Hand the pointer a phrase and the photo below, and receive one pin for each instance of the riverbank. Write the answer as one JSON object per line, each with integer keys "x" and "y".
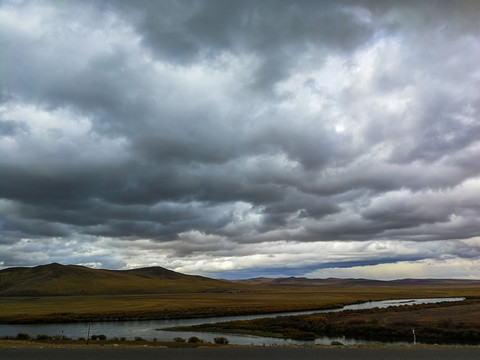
{"x": 241, "y": 353}
{"x": 446, "y": 323}
{"x": 69, "y": 343}
{"x": 82, "y": 344}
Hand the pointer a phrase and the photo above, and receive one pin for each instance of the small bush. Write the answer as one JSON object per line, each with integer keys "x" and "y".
{"x": 221, "y": 340}
{"x": 179, "y": 340}
{"x": 138, "y": 338}
{"x": 61, "y": 337}
{"x": 100, "y": 337}
{"x": 195, "y": 340}
{"x": 23, "y": 336}
{"x": 43, "y": 337}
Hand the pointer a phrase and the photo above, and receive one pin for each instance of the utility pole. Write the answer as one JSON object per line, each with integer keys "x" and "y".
{"x": 88, "y": 333}
{"x": 414, "y": 337}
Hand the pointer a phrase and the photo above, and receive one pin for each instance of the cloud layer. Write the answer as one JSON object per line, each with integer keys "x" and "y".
{"x": 232, "y": 138}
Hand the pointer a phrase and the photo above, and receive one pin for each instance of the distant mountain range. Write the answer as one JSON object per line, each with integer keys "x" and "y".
{"x": 56, "y": 279}
{"x": 332, "y": 282}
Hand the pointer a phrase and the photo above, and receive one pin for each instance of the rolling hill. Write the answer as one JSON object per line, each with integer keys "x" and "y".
{"x": 56, "y": 279}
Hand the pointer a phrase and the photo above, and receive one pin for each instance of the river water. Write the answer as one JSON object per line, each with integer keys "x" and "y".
{"x": 151, "y": 329}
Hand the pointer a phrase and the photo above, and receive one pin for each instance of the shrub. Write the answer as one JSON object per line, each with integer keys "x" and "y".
{"x": 179, "y": 340}
{"x": 195, "y": 340}
{"x": 23, "y": 336}
{"x": 99, "y": 337}
{"x": 60, "y": 337}
{"x": 43, "y": 337}
{"x": 138, "y": 338}
{"x": 221, "y": 340}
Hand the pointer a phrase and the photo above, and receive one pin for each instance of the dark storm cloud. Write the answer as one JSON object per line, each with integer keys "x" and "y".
{"x": 268, "y": 28}
{"x": 192, "y": 131}
{"x": 12, "y": 128}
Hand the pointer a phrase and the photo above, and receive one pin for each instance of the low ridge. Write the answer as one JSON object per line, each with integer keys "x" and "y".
{"x": 329, "y": 282}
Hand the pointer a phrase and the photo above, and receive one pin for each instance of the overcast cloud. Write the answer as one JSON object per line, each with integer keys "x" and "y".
{"x": 242, "y": 138}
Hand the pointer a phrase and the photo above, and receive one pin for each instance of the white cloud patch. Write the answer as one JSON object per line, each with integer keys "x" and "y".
{"x": 455, "y": 268}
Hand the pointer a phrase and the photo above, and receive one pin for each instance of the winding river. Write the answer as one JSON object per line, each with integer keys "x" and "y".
{"x": 151, "y": 329}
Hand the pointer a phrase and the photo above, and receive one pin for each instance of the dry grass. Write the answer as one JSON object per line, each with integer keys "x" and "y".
{"x": 190, "y": 304}
{"x": 467, "y": 313}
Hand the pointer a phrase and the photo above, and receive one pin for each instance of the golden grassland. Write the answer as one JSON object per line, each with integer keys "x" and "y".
{"x": 252, "y": 300}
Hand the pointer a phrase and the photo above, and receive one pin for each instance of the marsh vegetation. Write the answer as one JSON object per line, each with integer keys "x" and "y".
{"x": 454, "y": 322}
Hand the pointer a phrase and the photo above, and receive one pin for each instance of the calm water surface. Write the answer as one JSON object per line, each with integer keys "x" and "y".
{"x": 150, "y": 329}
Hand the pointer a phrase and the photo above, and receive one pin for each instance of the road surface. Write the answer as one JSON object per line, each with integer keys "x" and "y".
{"x": 233, "y": 353}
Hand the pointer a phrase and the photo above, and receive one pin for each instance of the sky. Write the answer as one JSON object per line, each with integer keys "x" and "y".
{"x": 236, "y": 139}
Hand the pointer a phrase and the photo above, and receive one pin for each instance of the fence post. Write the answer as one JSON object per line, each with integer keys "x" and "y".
{"x": 88, "y": 333}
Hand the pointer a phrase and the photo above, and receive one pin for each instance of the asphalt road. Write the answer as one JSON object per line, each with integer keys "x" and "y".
{"x": 231, "y": 353}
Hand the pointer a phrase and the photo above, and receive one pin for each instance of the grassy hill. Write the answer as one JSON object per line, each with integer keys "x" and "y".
{"x": 56, "y": 279}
